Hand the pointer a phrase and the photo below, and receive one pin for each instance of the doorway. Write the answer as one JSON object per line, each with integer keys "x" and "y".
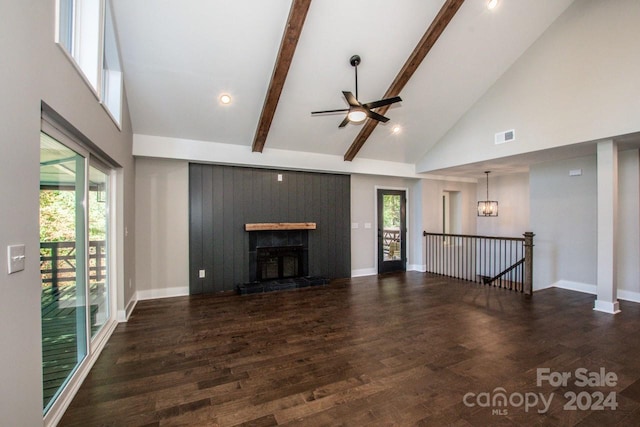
{"x": 392, "y": 230}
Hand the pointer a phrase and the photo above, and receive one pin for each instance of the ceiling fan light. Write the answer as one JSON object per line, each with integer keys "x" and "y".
{"x": 357, "y": 116}
{"x": 491, "y": 4}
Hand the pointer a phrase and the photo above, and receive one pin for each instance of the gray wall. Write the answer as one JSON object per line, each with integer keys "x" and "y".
{"x": 364, "y": 249}
{"x": 223, "y": 198}
{"x": 563, "y": 217}
{"x": 512, "y": 193}
{"x": 162, "y": 228}
{"x": 629, "y": 225}
{"x": 424, "y": 212}
{"x": 34, "y": 70}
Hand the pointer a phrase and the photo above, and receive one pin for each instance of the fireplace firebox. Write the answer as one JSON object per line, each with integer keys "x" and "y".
{"x": 278, "y": 262}
{"x": 278, "y": 254}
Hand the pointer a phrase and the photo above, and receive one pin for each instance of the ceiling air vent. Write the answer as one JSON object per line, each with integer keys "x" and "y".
{"x": 506, "y": 136}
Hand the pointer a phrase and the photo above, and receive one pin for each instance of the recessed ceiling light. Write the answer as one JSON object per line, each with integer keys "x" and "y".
{"x": 491, "y": 4}
{"x": 225, "y": 99}
{"x": 396, "y": 129}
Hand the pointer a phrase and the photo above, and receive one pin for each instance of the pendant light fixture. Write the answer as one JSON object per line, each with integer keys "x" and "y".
{"x": 487, "y": 207}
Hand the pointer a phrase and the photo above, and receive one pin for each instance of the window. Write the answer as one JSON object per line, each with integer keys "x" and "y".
{"x": 111, "y": 69}
{"x": 65, "y": 24}
{"x": 86, "y": 32}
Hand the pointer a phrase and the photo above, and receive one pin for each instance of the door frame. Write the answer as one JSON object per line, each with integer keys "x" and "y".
{"x": 63, "y": 132}
{"x": 406, "y": 246}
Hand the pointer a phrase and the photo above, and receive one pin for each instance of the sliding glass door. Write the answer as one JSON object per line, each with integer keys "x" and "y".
{"x": 75, "y": 298}
{"x": 63, "y": 263}
{"x": 98, "y": 260}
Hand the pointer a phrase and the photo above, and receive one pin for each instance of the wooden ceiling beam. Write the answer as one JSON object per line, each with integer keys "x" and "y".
{"x": 435, "y": 30}
{"x": 293, "y": 29}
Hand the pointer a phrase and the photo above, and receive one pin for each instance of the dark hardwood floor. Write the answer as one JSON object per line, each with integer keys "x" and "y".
{"x": 402, "y": 349}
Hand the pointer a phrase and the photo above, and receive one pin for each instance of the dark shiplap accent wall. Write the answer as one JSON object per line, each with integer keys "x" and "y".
{"x": 223, "y": 198}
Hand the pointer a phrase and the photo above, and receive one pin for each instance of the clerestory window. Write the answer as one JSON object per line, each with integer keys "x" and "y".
{"x": 86, "y": 32}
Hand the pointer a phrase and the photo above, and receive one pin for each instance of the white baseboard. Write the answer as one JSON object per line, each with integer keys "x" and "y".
{"x": 123, "y": 315}
{"x": 542, "y": 288}
{"x": 179, "y": 291}
{"x": 417, "y": 267}
{"x": 374, "y": 271}
{"x": 576, "y": 286}
{"x": 364, "y": 272}
{"x": 607, "y": 306}
{"x": 586, "y": 288}
{"x": 628, "y": 295}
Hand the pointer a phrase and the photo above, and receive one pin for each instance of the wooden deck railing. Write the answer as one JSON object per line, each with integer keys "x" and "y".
{"x": 505, "y": 262}
{"x": 59, "y": 307}
{"x": 58, "y": 262}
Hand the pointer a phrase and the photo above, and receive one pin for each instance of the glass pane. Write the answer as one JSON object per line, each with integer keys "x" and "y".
{"x": 392, "y": 245}
{"x": 62, "y": 255}
{"x": 87, "y": 33}
{"x": 111, "y": 69}
{"x": 65, "y": 25}
{"x": 98, "y": 273}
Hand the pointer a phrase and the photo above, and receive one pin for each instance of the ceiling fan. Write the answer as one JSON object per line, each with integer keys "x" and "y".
{"x": 357, "y": 111}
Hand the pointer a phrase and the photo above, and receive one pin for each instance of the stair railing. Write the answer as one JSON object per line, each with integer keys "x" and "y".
{"x": 505, "y": 262}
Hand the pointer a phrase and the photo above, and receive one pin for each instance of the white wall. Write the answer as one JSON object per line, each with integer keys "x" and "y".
{"x": 162, "y": 228}
{"x": 578, "y": 82}
{"x": 424, "y": 214}
{"x": 232, "y": 154}
{"x": 432, "y": 215}
{"x": 563, "y": 217}
{"x": 364, "y": 255}
{"x": 628, "y": 225}
{"x": 34, "y": 69}
{"x": 512, "y": 194}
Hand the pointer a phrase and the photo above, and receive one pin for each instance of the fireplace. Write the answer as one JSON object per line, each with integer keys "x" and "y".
{"x": 279, "y": 258}
{"x": 278, "y": 254}
{"x": 278, "y": 262}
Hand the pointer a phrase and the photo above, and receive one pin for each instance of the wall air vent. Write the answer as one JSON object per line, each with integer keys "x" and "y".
{"x": 506, "y": 136}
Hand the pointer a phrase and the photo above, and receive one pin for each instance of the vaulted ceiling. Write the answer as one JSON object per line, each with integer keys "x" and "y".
{"x": 180, "y": 56}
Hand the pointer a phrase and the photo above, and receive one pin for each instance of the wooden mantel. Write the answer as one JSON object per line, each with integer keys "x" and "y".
{"x": 261, "y": 226}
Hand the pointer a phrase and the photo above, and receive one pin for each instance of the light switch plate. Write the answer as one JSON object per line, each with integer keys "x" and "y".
{"x": 367, "y": 225}
{"x": 202, "y": 274}
{"x": 15, "y": 261}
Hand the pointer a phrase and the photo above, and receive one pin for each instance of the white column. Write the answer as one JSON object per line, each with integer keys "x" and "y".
{"x": 607, "y": 296}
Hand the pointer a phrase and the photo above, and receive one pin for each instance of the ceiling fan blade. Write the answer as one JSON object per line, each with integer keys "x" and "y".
{"x": 376, "y": 116}
{"x": 344, "y": 122}
{"x": 342, "y": 110}
{"x": 351, "y": 99}
{"x": 382, "y": 102}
